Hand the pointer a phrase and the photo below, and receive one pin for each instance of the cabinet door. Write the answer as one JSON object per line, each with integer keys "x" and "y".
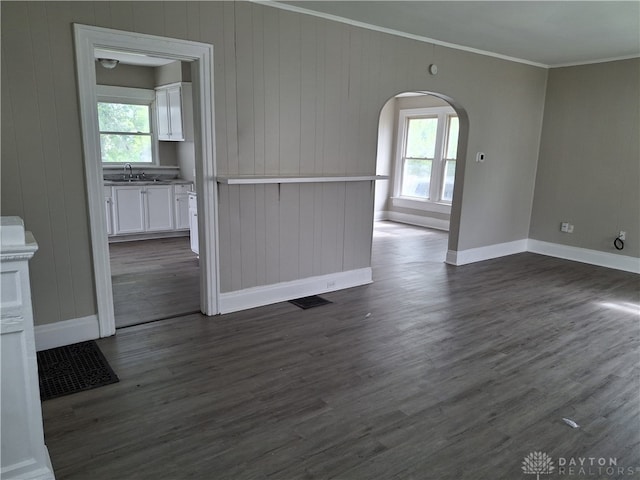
{"x": 159, "y": 208}
{"x": 107, "y": 210}
{"x": 162, "y": 114}
{"x": 182, "y": 212}
{"x": 175, "y": 112}
{"x": 193, "y": 230}
{"x": 128, "y": 210}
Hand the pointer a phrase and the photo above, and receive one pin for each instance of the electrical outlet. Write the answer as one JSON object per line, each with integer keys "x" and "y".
{"x": 570, "y": 229}
{"x": 622, "y": 235}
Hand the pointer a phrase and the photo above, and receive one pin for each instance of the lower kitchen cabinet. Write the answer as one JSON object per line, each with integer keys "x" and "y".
{"x": 193, "y": 223}
{"x": 182, "y": 206}
{"x": 139, "y": 209}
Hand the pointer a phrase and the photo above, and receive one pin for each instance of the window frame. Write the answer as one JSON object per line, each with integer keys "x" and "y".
{"x": 133, "y": 96}
{"x": 436, "y": 184}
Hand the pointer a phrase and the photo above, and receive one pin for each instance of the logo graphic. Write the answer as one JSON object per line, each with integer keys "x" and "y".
{"x": 537, "y": 463}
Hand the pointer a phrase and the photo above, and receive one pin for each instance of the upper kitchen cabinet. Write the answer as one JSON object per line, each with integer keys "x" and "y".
{"x": 174, "y": 107}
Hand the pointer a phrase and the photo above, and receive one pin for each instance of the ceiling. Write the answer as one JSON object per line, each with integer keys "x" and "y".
{"x": 546, "y": 33}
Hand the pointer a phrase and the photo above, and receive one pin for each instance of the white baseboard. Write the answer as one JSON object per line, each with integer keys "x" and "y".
{"x": 584, "y": 255}
{"x": 284, "y": 291}
{"x": 418, "y": 220}
{"x": 66, "y": 332}
{"x": 380, "y": 216}
{"x": 472, "y": 255}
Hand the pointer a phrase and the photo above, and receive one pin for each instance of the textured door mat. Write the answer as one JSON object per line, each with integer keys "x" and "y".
{"x": 309, "y": 302}
{"x": 73, "y": 368}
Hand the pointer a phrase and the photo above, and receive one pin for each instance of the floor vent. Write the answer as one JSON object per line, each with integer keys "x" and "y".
{"x": 309, "y": 302}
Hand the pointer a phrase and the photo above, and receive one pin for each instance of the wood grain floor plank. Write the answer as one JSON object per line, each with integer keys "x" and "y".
{"x": 432, "y": 372}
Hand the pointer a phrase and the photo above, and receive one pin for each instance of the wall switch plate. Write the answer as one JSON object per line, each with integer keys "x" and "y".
{"x": 564, "y": 227}
{"x": 570, "y": 229}
{"x": 480, "y": 157}
{"x": 622, "y": 235}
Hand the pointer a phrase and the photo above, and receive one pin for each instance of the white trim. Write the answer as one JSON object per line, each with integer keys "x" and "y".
{"x": 418, "y": 220}
{"x": 284, "y": 291}
{"x": 472, "y": 255}
{"x": 87, "y": 38}
{"x": 380, "y": 215}
{"x": 135, "y": 96}
{"x": 267, "y": 179}
{"x": 398, "y": 33}
{"x": 585, "y": 255}
{"x": 139, "y": 96}
{"x": 66, "y": 332}
{"x": 591, "y": 62}
{"x": 436, "y": 180}
{"x": 419, "y": 204}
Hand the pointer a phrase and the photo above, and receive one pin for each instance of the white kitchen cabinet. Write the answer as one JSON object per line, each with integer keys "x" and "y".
{"x": 174, "y": 111}
{"x": 128, "y": 210}
{"x": 158, "y": 208}
{"x": 181, "y": 194}
{"x": 108, "y": 210}
{"x": 142, "y": 208}
{"x": 193, "y": 223}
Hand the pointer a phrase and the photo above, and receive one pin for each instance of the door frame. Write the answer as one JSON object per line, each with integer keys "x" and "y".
{"x": 87, "y": 38}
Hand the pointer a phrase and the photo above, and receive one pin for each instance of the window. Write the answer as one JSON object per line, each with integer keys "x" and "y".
{"x": 426, "y": 158}
{"x": 126, "y": 121}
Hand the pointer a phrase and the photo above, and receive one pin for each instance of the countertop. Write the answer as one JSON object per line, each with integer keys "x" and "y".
{"x": 134, "y": 182}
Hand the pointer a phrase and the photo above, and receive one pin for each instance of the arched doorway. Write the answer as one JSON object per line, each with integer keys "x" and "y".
{"x": 422, "y": 140}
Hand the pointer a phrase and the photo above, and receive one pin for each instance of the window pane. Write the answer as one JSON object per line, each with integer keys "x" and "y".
{"x": 122, "y": 117}
{"x": 125, "y": 148}
{"x": 421, "y": 138}
{"x": 452, "y": 138}
{"x": 416, "y": 178}
{"x": 449, "y": 178}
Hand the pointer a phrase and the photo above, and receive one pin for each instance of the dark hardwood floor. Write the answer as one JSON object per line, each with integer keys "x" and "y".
{"x": 432, "y": 372}
{"x": 154, "y": 279}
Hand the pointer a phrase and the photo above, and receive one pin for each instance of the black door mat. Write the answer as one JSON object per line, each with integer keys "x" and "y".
{"x": 309, "y": 302}
{"x": 73, "y": 368}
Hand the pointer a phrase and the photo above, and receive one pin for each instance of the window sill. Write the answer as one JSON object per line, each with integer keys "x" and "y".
{"x": 425, "y": 205}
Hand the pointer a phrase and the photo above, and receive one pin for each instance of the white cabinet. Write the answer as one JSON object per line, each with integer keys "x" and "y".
{"x": 158, "y": 208}
{"x": 174, "y": 111}
{"x": 128, "y": 210}
{"x": 142, "y": 208}
{"x": 108, "y": 210}
{"x": 193, "y": 223}
{"x": 181, "y": 193}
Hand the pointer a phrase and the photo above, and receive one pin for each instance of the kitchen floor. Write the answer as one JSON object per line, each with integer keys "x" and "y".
{"x": 153, "y": 280}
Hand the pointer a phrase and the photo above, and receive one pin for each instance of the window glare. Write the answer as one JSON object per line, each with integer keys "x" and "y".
{"x": 122, "y": 117}
{"x": 452, "y": 138}
{"x": 449, "y": 179}
{"x": 416, "y": 178}
{"x": 421, "y": 137}
{"x": 125, "y": 148}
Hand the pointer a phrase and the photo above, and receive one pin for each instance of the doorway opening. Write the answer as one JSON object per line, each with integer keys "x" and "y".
{"x": 422, "y": 140}
{"x": 150, "y": 188}
{"x": 145, "y": 120}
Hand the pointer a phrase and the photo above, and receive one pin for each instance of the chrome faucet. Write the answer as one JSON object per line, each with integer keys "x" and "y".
{"x": 128, "y": 165}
